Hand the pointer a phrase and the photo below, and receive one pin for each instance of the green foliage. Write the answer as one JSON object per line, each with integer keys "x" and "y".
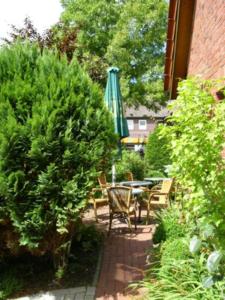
{"x": 196, "y": 138}
{"x": 157, "y": 154}
{"x": 137, "y": 48}
{"x": 179, "y": 274}
{"x": 55, "y": 135}
{"x": 60, "y": 36}
{"x": 25, "y": 273}
{"x": 174, "y": 249}
{"x": 196, "y": 142}
{"x": 182, "y": 279}
{"x": 10, "y": 282}
{"x": 169, "y": 225}
{"x": 153, "y": 173}
{"x": 130, "y": 162}
{"x": 129, "y": 34}
{"x": 89, "y": 238}
{"x": 95, "y": 20}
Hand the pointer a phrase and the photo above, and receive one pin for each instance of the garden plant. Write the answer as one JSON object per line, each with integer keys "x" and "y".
{"x": 157, "y": 154}
{"x": 129, "y": 162}
{"x": 55, "y": 135}
{"x": 192, "y": 244}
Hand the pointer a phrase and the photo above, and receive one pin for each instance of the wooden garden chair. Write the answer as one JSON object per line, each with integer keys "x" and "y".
{"x": 119, "y": 198}
{"x": 103, "y": 182}
{"x": 157, "y": 197}
{"x": 129, "y": 176}
{"x": 97, "y": 199}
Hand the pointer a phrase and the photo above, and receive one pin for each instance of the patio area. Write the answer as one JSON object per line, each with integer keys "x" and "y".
{"x": 124, "y": 258}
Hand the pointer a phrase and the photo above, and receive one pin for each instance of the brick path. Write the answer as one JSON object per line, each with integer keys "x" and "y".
{"x": 124, "y": 259}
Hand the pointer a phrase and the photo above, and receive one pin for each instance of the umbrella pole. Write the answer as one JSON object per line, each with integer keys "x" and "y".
{"x": 113, "y": 174}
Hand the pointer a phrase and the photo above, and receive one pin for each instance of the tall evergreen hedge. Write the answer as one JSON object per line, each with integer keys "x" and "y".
{"x": 54, "y": 135}
{"x": 157, "y": 154}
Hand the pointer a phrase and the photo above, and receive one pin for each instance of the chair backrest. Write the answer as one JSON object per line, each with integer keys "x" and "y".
{"x": 130, "y": 176}
{"x": 166, "y": 186}
{"x": 119, "y": 198}
{"x": 102, "y": 180}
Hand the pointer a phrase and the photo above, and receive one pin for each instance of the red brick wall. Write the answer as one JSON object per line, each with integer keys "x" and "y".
{"x": 207, "y": 56}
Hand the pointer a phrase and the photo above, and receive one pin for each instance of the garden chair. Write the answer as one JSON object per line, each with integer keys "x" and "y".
{"x": 103, "y": 182}
{"x": 119, "y": 198}
{"x": 157, "y": 197}
{"x": 130, "y": 176}
{"x": 97, "y": 199}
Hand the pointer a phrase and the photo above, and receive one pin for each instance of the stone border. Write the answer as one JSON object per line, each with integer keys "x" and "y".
{"x": 99, "y": 263}
{"x": 78, "y": 293}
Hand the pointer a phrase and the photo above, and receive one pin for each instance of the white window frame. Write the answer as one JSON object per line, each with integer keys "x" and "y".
{"x": 142, "y": 126}
{"x": 130, "y": 124}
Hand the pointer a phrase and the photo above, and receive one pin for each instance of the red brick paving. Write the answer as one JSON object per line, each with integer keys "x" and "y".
{"x": 124, "y": 259}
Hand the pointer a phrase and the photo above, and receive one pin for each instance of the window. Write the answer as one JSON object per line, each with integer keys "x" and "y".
{"x": 130, "y": 124}
{"x": 142, "y": 124}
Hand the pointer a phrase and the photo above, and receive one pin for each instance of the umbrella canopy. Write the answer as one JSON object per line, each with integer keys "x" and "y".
{"x": 113, "y": 100}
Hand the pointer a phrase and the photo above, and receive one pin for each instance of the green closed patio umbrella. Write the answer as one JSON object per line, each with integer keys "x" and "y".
{"x": 113, "y": 100}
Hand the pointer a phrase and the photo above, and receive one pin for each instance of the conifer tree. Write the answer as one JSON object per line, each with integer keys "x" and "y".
{"x": 55, "y": 134}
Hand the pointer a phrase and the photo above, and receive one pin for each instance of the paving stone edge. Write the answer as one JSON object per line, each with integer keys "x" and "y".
{"x": 99, "y": 264}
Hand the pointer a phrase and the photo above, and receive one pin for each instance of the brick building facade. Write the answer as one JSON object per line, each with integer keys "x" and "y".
{"x": 195, "y": 41}
{"x": 207, "y": 51}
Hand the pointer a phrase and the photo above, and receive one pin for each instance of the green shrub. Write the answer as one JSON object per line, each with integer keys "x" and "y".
{"x": 181, "y": 280}
{"x": 177, "y": 273}
{"x": 174, "y": 250}
{"x": 153, "y": 173}
{"x": 157, "y": 154}
{"x": 88, "y": 237}
{"x": 130, "y": 162}
{"x": 10, "y": 282}
{"x": 196, "y": 142}
{"x": 169, "y": 225}
{"x": 55, "y": 135}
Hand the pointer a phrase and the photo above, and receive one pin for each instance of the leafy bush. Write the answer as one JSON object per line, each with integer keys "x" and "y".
{"x": 175, "y": 250}
{"x": 196, "y": 143}
{"x": 88, "y": 237}
{"x": 169, "y": 225}
{"x": 10, "y": 282}
{"x": 55, "y": 135}
{"x": 130, "y": 162}
{"x": 157, "y": 154}
{"x": 153, "y": 173}
{"x": 178, "y": 274}
{"x": 182, "y": 279}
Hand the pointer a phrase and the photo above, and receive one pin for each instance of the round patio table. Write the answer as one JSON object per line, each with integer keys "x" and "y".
{"x": 156, "y": 179}
{"x": 136, "y": 184}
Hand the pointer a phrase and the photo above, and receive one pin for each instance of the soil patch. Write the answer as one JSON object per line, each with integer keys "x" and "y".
{"x": 26, "y": 275}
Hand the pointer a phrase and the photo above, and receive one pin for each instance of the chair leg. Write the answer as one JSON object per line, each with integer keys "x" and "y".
{"x": 95, "y": 211}
{"x": 139, "y": 214}
{"x": 110, "y": 221}
{"x": 129, "y": 223}
{"x": 148, "y": 213}
{"x": 135, "y": 220}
